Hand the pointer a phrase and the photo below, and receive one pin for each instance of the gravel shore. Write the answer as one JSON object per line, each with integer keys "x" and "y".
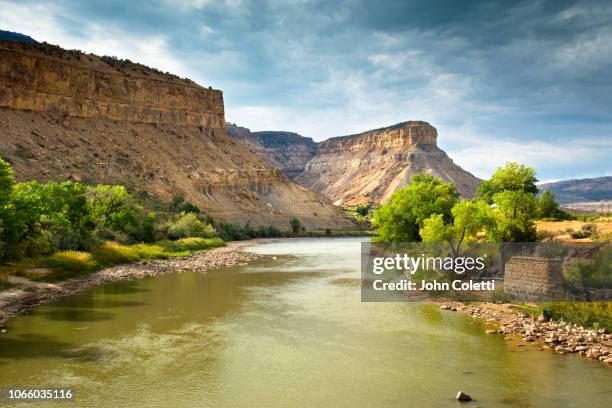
{"x": 15, "y": 301}
{"x": 559, "y": 336}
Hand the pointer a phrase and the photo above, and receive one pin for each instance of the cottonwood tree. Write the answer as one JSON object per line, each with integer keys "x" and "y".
{"x": 512, "y": 177}
{"x": 401, "y": 218}
{"x": 470, "y": 218}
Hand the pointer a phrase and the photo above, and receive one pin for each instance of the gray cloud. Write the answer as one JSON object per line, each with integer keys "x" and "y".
{"x": 493, "y": 76}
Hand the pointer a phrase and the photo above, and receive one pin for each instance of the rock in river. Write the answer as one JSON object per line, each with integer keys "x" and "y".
{"x": 462, "y": 396}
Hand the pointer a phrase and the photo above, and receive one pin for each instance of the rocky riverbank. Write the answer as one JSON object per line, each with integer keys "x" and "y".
{"x": 559, "y": 336}
{"x": 15, "y": 301}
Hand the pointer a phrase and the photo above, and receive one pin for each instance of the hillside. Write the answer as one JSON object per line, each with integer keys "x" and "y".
{"x": 361, "y": 168}
{"x": 287, "y": 151}
{"x": 582, "y": 190}
{"x": 11, "y": 36}
{"x": 68, "y": 115}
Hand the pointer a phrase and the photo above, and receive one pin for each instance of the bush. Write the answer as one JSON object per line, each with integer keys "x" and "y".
{"x": 587, "y": 231}
{"x": 229, "y": 231}
{"x": 42, "y": 244}
{"x": 74, "y": 261}
{"x": 189, "y": 225}
{"x": 178, "y": 204}
{"x": 296, "y": 225}
{"x": 363, "y": 209}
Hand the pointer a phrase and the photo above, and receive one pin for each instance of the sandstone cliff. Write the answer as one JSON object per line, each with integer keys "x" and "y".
{"x": 68, "y": 115}
{"x": 287, "y": 151}
{"x": 368, "y": 167}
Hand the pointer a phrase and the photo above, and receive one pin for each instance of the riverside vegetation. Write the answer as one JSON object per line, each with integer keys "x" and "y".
{"x": 68, "y": 229}
{"x": 505, "y": 209}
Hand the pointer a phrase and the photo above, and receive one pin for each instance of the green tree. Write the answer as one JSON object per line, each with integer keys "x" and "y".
{"x": 469, "y": 219}
{"x": 547, "y": 207}
{"x": 59, "y": 208}
{"x": 363, "y": 209}
{"x": 296, "y": 225}
{"x": 514, "y": 214}
{"x": 6, "y": 212}
{"x": 400, "y": 219}
{"x": 189, "y": 225}
{"x": 512, "y": 177}
{"x": 118, "y": 216}
{"x": 6, "y": 182}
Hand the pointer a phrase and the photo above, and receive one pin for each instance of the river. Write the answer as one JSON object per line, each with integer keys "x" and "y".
{"x": 288, "y": 330}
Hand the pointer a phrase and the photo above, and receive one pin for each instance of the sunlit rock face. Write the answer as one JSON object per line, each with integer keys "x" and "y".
{"x": 66, "y": 115}
{"x": 368, "y": 167}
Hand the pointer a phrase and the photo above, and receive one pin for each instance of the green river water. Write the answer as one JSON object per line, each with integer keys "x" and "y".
{"x": 288, "y": 330}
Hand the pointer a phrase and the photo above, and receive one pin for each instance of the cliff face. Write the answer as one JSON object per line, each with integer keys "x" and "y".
{"x": 287, "y": 151}
{"x": 67, "y": 115}
{"x": 43, "y": 78}
{"x": 368, "y": 167}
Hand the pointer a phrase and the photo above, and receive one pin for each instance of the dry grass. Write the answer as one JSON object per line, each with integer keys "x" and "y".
{"x": 560, "y": 229}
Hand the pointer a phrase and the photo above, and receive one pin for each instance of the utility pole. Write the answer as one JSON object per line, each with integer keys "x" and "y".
{"x": 102, "y": 171}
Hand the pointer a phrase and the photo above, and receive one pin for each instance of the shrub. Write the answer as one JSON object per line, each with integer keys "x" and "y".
{"x": 296, "y": 225}
{"x": 328, "y": 232}
{"x": 363, "y": 209}
{"x": 189, "y": 225}
{"x": 44, "y": 243}
{"x": 229, "y": 231}
{"x": 587, "y": 231}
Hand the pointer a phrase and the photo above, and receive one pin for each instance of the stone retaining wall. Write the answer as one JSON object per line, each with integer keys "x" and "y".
{"x": 533, "y": 278}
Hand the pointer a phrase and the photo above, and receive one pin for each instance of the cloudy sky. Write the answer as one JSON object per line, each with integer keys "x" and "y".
{"x": 527, "y": 81}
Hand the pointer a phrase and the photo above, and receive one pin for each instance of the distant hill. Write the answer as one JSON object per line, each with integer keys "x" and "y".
{"x": 11, "y": 36}
{"x": 583, "y": 190}
{"x": 286, "y": 150}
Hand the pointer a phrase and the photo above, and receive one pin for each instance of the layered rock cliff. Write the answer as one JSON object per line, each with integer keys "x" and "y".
{"x": 69, "y": 115}
{"x": 287, "y": 151}
{"x": 368, "y": 167}
{"x": 42, "y": 77}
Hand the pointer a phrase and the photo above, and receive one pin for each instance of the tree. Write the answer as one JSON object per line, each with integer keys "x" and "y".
{"x": 6, "y": 182}
{"x": 514, "y": 213}
{"x": 363, "y": 209}
{"x": 59, "y": 208}
{"x": 469, "y": 219}
{"x": 296, "y": 225}
{"x": 512, "y": 177}
{"x": 115, "y": 212}
{"x": 189, "y": 225}
{"x": 400, "y": 219}
{"x": 547, "y": 207}
{"x": 6, "y": 212}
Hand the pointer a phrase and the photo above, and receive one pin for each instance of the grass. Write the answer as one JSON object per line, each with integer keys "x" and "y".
{"x": 71, "y": 264}
{"x": 74, "y": 261}
{"x": 597, "y": 315}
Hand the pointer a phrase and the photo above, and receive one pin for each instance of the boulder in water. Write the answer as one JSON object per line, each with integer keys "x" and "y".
{"x": 462, "y": 396}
